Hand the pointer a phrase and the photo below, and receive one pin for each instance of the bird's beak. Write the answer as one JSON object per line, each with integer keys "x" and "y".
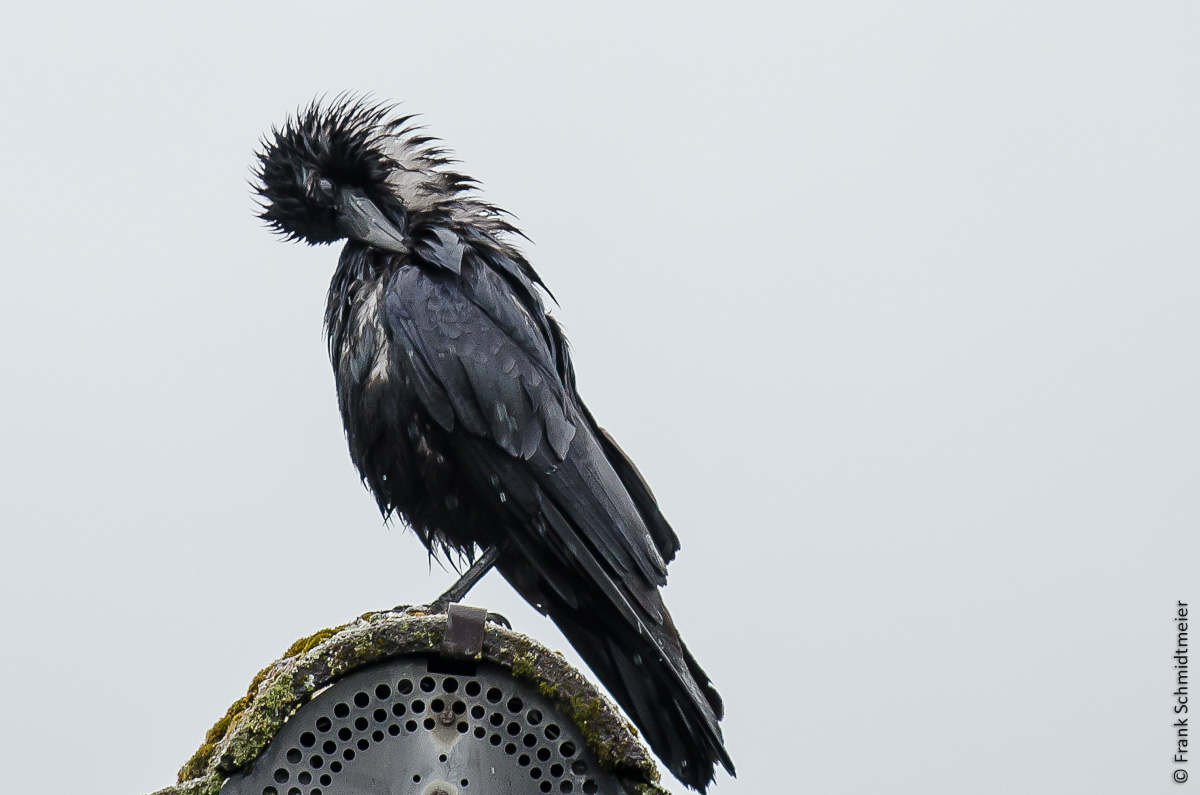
{"x": 360, "y": 219}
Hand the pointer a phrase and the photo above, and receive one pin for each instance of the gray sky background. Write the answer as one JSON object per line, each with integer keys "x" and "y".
{"x": 894, "y": 304}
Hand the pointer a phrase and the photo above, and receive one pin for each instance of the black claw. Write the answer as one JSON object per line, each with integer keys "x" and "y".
{"x": 496, "y": 618}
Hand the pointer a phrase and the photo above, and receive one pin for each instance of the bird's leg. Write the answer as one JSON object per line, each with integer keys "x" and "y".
{"x": 482, "y": 565}
{"x": 456, "y": 592}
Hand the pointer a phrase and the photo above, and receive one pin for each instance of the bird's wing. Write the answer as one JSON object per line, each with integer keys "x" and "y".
{"x": 584, "y": 539}
{"x": 660, "y": 529}
{"x": 480, "y": 361}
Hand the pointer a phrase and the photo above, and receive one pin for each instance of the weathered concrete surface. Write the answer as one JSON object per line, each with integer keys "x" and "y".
{"x": 318, "y": 660}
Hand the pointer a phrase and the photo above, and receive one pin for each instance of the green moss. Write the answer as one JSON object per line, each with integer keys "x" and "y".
{"x": 368, "y": 647}
{"x": 642, "y": 788}
{"x": 325, "y": 656}
{"x": 587, "y": 712}
{"x": 207, "y": 785}
{"x": 306, "y": 644}
{"x": 271, "y": 709}
{"x": 198, "y": 764}
{"x": 554, "y": 679}
{"x": 524, "y": 664}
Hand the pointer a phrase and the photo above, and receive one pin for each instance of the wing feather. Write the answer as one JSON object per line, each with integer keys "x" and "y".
{"x": 479, "y": 359}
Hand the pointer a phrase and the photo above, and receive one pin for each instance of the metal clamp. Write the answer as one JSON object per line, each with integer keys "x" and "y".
{"x": 464, "y": 631}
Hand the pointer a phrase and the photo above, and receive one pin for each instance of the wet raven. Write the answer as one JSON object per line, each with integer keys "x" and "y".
{"x": 459, "y": 402}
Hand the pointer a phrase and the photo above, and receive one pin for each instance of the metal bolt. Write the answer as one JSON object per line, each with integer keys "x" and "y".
{"x": 446, "y": 717}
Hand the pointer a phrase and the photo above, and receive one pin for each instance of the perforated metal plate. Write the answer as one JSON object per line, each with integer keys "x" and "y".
{"x": 400, "y": 729}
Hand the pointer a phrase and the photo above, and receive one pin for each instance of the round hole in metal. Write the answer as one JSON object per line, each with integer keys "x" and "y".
{"x": 544, "y": 750}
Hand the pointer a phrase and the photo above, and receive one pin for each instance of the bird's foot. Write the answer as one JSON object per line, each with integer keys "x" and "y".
{"x": 438, "y": 607}
{"x": 496, "y": 618}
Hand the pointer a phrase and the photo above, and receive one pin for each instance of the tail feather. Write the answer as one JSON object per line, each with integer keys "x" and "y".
{"x": 707, "y": 688}
{"x": 579, "y": 551}
{"x": 663, "y": 690}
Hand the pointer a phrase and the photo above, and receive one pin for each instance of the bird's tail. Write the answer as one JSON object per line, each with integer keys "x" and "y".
{"x": 659, "y": 684}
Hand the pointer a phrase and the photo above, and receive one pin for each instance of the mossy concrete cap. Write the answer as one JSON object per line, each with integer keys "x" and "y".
{"x": 312, "y": 663}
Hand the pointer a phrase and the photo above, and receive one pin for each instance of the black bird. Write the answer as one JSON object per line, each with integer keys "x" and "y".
{"x": 459, "y": 402}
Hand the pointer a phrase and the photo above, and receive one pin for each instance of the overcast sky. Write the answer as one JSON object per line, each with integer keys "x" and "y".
{"x": 895, "y": 305}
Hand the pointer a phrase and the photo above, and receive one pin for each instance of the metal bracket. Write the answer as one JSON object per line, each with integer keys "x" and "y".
{"x": 464, "y": 631}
